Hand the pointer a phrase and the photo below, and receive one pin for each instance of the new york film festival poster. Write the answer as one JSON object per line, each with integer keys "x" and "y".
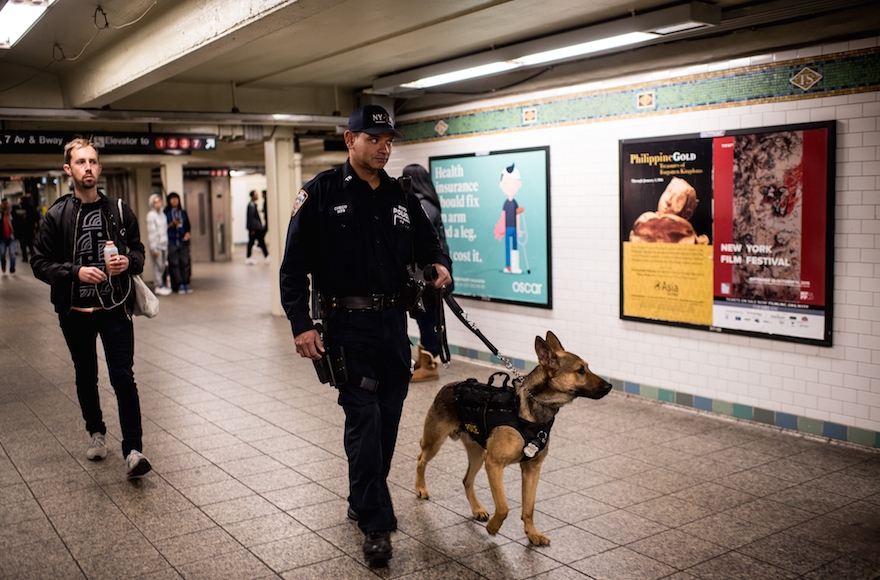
{"x": 731, "y": 231}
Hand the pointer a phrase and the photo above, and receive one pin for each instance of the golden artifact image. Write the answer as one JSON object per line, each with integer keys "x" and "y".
{"x": 669, "y": 224}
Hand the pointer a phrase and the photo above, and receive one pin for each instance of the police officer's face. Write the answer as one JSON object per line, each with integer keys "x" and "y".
{"x": 369, "y": 152}
{"x": 83, "y": 167}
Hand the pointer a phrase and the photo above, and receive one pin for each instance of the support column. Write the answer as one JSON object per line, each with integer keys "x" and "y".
{"x": 283, "y": 180}
{"x": 172, "y": 178}
{"x": 143, "y": 188}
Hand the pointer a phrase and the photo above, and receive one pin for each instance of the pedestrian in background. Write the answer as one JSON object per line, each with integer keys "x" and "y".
{"x": 178, "y": 245}
{"x": 157, "y": 235}
{"x": 7, "y": 237}
{"x": 427, "y": 365}
{"x": 256, "y": 230}
{"x": 25, "y": 220}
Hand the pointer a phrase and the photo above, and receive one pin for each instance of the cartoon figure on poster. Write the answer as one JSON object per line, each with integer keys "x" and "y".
{"x": 511, "y": 227}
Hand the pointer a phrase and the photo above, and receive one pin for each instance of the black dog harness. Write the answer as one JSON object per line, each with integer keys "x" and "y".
{"x": 482, "y": 407}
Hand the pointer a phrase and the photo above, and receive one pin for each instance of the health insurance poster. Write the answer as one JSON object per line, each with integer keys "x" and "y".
{"x": 495, "y": 213}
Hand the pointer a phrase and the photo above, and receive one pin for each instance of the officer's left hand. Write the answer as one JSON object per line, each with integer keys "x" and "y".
{"x": 444, "y": 278}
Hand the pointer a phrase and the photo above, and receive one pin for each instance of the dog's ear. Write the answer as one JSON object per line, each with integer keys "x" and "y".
{"x": 546, "y": 355}
{"x": 554, "y": 342}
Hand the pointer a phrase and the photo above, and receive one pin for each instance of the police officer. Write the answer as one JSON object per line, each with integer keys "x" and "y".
{"x": 355, "y": 230}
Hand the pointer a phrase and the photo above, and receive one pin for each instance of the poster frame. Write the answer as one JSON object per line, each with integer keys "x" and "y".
{"x": 548, "y": 303}
{"x": 830, "y": 165}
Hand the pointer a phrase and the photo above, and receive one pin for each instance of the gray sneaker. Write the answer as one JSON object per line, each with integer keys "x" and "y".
{"x": 97, "y": 447}
{"x": 137, "y": 464}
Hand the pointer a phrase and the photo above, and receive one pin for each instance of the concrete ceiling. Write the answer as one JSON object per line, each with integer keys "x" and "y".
{"x": 315, "y": 58}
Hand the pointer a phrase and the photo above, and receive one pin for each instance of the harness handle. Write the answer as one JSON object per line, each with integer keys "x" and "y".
{"x": 506, "y": 376}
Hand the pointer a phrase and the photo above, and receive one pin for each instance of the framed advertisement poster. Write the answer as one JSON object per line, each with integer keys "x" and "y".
{"x": 731, "y": 231}
{"x": 497, "y": 221}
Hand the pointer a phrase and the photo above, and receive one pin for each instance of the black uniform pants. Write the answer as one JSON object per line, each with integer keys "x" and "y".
{"x": 376, "y": 346}
{"x": 81, "y": 332}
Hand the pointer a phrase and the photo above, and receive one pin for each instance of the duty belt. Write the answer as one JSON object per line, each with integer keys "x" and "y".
{"x": 374, "y": 302}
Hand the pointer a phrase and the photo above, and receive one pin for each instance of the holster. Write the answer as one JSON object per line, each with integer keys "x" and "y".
{"x": 331, "y": 367}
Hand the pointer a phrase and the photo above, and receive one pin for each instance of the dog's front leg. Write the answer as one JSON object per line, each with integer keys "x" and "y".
{"x": 475, "y": 462}
{"x": 531, "y": 471}
{"x": 495, "y": 473}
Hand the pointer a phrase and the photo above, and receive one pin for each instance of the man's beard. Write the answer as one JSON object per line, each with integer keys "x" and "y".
{"x": 81, "y": 184}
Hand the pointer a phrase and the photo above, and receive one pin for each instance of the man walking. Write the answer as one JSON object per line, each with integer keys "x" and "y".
{"x": 94, "y": 297}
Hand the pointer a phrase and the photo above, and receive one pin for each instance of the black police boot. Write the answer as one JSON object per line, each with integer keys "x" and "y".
{"x": 377, "y": 549}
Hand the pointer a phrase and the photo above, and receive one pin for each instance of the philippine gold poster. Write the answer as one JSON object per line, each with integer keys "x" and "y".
{"x": 666, "y": 210}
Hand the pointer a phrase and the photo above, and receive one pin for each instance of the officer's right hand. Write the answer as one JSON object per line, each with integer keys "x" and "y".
{"x": 309, "y": 345}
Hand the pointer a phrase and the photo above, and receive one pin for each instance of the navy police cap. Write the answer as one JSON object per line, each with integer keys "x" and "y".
{"x": 373, "y": 120}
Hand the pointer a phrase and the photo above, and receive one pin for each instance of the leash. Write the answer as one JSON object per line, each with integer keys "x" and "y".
{"x": 463, "y": 317}
{"x": 440, "y": 327}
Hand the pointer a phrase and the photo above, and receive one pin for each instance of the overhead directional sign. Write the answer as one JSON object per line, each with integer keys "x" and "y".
{"x": 23, "y": 142}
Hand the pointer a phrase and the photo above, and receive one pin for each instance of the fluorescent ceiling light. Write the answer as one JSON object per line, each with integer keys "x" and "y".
{"x": 584, "y": 48}
{"x": 531, "y": 59}
{"x": 681, "y": 27}
{"x": 461, "y": 75}
{"x": 604, "y": 37}
{"x": 17, "y": 17}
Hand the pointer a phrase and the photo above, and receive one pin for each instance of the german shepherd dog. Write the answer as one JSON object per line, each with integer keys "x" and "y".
{"x": 558, "y": 379}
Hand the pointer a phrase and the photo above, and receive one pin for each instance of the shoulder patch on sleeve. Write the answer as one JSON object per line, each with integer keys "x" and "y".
{"x": 300, "y": 201}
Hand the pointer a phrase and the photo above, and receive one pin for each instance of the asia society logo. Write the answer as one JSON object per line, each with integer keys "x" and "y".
{"x": 526, "y": 287}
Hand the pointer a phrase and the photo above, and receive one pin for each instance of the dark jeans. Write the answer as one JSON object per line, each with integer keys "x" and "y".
{"x": 117, "y": 335}
{"x": 376, "y": 346}
{"x": 258, "y": 236}
{"x": 179, "y": 265}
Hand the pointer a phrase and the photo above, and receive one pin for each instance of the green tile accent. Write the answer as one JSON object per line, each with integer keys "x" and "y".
{"x": 813, "y": 426}
{"x": 844, "y": 73}
{"x": 860, "y": 436}
{"x": 684, "y": 399}
{"x": 764, "y": 416}
{"x": 666, "y": 395}
{"x": 487, "y": 357}
{"x": 722, "y": 407}
{"x": 742, "y": 411}
{"x": 649, "y": 392}
{"x": 616, "y": 384}
{"x": 877, "y": 439}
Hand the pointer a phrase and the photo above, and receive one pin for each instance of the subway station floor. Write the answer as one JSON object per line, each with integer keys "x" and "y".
{"x": 249, "y": 476}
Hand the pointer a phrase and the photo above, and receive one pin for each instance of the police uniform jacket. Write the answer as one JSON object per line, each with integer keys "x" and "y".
{"x": 355, "y": 241}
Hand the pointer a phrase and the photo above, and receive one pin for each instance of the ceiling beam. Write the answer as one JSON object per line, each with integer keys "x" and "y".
{"x": 187, "y": 34}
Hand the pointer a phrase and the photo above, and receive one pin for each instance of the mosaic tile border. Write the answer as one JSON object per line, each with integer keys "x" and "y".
{"x": 838, "y": 74}
{"x": 746, "y": 412}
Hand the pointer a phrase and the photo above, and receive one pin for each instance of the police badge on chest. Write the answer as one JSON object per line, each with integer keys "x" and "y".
{"x": 400, "y": 217}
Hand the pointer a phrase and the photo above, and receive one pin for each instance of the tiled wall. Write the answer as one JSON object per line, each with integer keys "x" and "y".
{"x": 834, "y": 392}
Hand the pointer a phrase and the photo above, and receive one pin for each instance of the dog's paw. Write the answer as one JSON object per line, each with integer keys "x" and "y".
{"x": 481, "y": 515}
{"x": 538, "y": 539}
{"x": 422, "y": 492}
{"x": 493, "y": 526}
